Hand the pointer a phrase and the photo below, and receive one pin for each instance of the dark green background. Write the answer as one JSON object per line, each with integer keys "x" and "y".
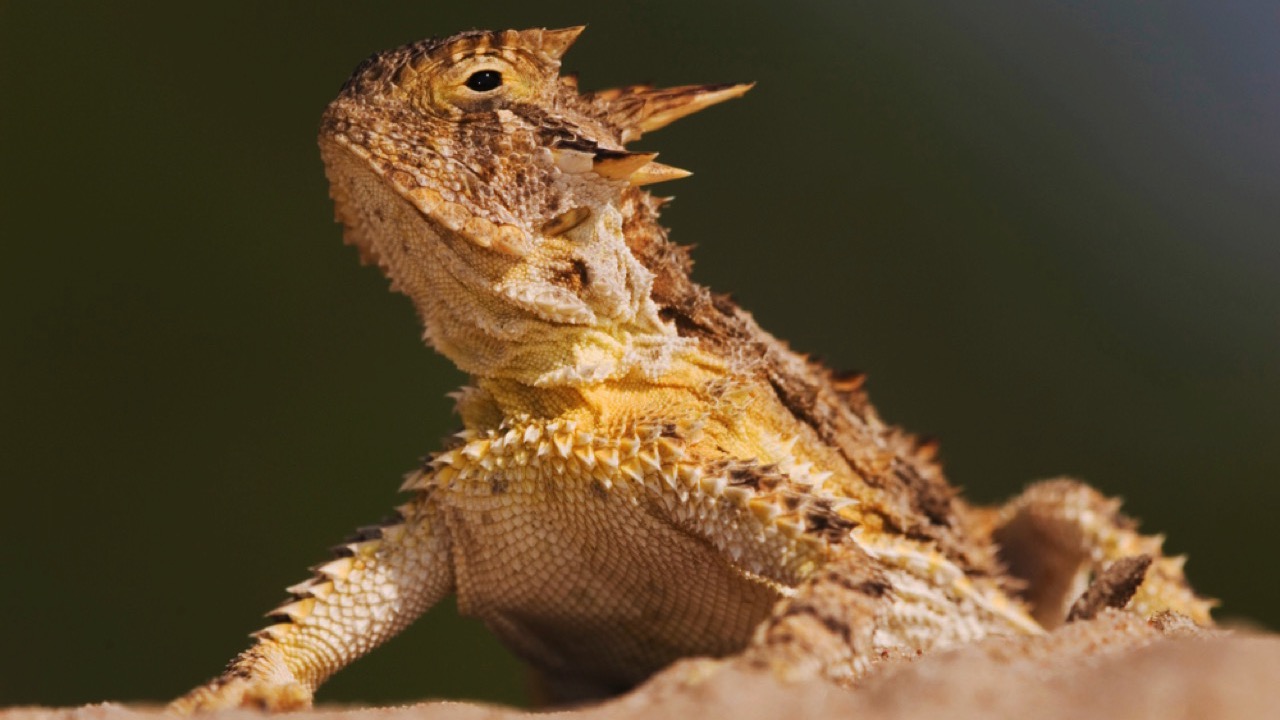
{"x": 1048, "y": 230}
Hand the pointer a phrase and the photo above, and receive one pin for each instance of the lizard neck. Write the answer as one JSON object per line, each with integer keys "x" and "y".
{"x": 680, "y": 393}
{"x": 577, "y": 311}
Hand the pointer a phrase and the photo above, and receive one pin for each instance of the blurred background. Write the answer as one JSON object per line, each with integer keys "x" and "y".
{"x": 1047, "y": 230}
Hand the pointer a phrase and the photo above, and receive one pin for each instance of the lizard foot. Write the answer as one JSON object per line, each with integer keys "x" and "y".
{"x": 235, "y": 692}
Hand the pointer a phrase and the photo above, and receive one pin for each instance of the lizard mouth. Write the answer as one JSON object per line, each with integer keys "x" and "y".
{"x": 582, "y": 163}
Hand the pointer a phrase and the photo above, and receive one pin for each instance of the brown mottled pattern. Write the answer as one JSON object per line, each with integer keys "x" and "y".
{"x": 644, "y": 474}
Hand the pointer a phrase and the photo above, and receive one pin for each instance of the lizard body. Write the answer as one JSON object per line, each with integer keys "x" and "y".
{"x": 644, "y": 473}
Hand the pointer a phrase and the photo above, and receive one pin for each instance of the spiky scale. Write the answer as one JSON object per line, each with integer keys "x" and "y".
{"x": 297, "y": 610}
{"x": 337, "y": 569}
{"x": 629, "y": 436}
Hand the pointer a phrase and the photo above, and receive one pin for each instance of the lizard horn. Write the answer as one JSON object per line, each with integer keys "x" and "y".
{"x": 620, "y": 165}
{"x": 656, "y": 172}
{"x": 638, "y": 109}
{"x": 637, "y": 168}
{"x": 555, "y": 43}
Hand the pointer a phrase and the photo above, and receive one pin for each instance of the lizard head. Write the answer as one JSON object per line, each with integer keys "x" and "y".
{"x": 488, "y": 189}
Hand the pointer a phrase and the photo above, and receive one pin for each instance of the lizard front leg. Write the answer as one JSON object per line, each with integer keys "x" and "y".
{"x": 381, "y": 581}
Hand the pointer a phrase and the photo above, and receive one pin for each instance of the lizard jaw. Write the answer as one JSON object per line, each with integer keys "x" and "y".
{"x": 507, "y": 238}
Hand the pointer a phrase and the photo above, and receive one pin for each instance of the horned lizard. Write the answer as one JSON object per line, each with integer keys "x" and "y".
{"x": 644, "y": 474}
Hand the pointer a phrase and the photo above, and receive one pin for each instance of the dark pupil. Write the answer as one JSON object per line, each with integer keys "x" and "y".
{"x": 484, "y": 80}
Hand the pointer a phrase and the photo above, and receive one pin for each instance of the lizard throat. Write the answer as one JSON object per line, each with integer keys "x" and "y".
{"x": 576, "y": 309}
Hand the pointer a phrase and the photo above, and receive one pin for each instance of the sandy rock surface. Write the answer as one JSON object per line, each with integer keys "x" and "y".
{"x": 1112, "y": 667}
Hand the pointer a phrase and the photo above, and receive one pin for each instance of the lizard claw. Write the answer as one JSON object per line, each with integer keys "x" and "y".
{"x": 234, "y": 693}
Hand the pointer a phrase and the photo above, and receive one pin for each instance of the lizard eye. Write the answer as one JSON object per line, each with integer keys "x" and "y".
{"x": 484, "y": 80}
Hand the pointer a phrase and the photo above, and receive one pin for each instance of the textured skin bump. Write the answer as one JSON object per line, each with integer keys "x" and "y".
{"x": 644, "y": 474}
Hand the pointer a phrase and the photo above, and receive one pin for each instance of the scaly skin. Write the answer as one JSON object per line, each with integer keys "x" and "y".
{"x": 644, "y": 473}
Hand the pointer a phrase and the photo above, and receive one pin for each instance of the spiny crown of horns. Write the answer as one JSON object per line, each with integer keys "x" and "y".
{"x": 479, "y": 107}
{"x": 630, "y": 111}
